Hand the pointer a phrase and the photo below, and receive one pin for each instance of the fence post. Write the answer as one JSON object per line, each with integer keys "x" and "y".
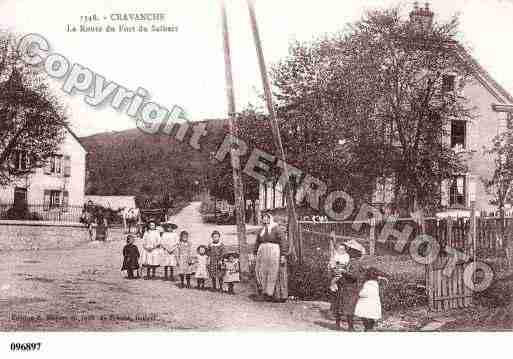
{"x": 372, "y": 237}
{"x": 473, "y": 229}
{"x": 332, "y": 243}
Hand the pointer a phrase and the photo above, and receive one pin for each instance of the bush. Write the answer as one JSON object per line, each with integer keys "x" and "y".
{"x": 310, "y": 282}
{"x": 21, "y": 214}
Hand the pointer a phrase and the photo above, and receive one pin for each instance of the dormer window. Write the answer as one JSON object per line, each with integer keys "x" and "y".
{"x": 448, "y": 82}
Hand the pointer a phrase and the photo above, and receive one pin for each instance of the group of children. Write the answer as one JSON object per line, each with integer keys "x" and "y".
{"x": 357, "y": 294}
{"x": 161, "y": 247}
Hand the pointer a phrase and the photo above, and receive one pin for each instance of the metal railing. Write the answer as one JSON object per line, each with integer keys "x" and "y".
{"x": 40, "y": 212}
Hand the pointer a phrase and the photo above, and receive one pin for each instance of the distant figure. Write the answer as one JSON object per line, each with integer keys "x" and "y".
{"x": 201, "y": 272}
{"x": 231, "y": 271}
{"x": 102, "y": 227}
{"x": 88, "y": 220}
{"x": 130, "y": 219}
{"x": 215, "y": 260}
{"x": 130, "y": 257}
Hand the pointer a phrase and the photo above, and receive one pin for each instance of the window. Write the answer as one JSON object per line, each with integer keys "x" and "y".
{"x": 67, "y": 166}
{"x": 458, "y": 133}
{"x": 54, "y": 165}
{"x": 448, "y": 82}
{"x": 52, "y": 199}
{"x": 457, "y": 191}
{"x": 20, "y": 160}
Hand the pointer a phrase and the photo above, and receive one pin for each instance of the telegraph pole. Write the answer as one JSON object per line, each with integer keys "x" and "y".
{"x": 293, "y": 224}
{"x": 240, "y": 205}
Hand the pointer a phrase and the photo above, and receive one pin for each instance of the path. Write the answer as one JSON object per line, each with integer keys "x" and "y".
{"x": 83, "y": 289}
{"x": 189, "y": 219}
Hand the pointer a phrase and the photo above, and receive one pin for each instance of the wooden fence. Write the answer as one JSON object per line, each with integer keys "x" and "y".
{"x": 478, "y": 238}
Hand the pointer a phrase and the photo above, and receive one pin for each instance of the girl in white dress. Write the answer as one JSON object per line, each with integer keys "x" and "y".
{"x": 168, "y": 245}
{"x": 231, "y": 271}
{"x": 201, "y": 273}
{"x": 368, "y": 307}
{"x": 150, "y": 252}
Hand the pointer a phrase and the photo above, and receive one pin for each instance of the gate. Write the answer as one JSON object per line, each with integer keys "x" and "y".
{"x": 447, "y": 291}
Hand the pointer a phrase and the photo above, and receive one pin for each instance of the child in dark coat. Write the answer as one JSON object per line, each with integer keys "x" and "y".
{"x": 130, "y": 257}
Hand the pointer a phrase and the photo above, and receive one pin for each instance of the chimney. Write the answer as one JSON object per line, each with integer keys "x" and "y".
{"x": 421, "y": 18}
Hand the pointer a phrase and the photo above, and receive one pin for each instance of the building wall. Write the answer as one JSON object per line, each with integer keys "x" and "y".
{"x": 481, "y": 132}
{"x": 38, "y": 182}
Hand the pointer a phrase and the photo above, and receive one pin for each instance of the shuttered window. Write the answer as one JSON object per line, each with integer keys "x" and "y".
{"x": 457, "y": 191}
{"x": 46, "y": 201}
{"x": 448, "y": 82}
{"x": 65, "y": 201}
{"x": 444, "y": 189}
{"x": 67, "y": 166}
{"x": 56, "y": 165}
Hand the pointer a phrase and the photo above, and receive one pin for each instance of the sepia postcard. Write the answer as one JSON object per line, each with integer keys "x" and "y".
{"x": 235, "y": 166}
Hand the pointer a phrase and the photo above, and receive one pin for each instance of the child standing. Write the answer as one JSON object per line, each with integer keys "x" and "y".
{"x": 338, "y": 265}
{"x": 201, "y": 267}
{"x": 215, "y": 256}
{"x": 368, "y": 307}
{"x": 231, "y": 271}
{"x": 130, "y": 257}
{"x": 183, "y": 258}
{"x": 168, "y": 245}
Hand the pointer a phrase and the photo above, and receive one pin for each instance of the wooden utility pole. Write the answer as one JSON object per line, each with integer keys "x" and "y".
{"x": 238, "y": 188}
{"x": 293, "y": 225}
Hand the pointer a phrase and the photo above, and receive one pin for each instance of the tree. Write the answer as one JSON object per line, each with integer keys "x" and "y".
{"x": 32, "y": 121}
{"x": 255, "y": 132}
{"x": 500, "y": 184}
{"x": 377, "y": 88}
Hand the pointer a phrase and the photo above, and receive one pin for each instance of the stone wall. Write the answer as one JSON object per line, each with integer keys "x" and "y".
{"x": 32, "y": 236}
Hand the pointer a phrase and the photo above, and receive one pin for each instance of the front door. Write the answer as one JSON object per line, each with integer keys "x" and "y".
{"x": 20, "y": 199}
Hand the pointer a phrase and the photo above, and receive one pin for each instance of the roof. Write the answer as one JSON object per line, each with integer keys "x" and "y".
{"x": 76, "y": 137}
{"x": 113, "y": 202}
{"x": 482, "y": 75}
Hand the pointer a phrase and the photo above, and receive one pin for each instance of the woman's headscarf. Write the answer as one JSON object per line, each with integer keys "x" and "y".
{"x": 271, "y": 224}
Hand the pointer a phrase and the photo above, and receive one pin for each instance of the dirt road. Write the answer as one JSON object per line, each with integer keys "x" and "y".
{"x": 83, "y": 289}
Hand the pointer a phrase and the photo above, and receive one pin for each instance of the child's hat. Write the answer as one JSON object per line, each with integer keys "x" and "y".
{"x": 169, "y": 226}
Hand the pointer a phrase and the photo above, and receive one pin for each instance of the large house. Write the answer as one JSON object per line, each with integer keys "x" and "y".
{"x": 55, "y": 187}
{"x": 493, "y": 105}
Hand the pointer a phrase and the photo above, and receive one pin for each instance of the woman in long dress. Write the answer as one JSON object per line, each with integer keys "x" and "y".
{"x": 270, "y": 263}
{"x": 150, "y": 254}
{"x": 345, "y": 298}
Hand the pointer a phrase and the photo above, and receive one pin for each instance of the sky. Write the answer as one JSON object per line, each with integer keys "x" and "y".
{"x": 186, "y": 68}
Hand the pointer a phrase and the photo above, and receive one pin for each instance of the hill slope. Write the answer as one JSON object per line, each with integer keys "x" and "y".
{"x": 132, "y": 162}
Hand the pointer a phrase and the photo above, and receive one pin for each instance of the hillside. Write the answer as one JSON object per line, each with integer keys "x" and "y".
{"x": 132, "y": 162}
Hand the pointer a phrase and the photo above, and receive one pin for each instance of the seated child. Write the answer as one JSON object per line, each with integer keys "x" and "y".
{"x": 338, "y": 264}
{"x": 130, "y": 257}
{"x": 231, "y": 271}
